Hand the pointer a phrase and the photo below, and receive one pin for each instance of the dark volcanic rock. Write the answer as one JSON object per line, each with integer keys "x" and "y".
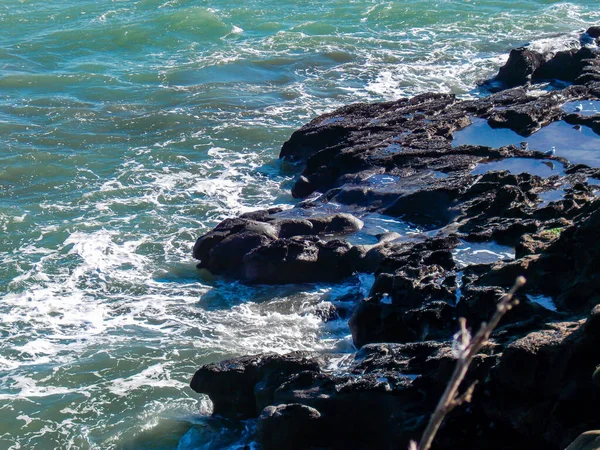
{"x": 305, "y": 407}
{"x": 392, "y": 167}
{"x": 382, "y": 420}
{"x": 240, "y": 388}
{"x": 576, "y": 65}
{"x": 412, "y": 303}
{"x": 396, "y": 159}
{"x": 298, "y": 259}
{"x": 593, "y": 32}
{"x": 521, "y": 65}
{"x": 567, "y": 269}
{"x": 293, "y": 426}
{"x": 553, "y": 368}
{"x": 431, "y": 208}
{"x": 410, "y": 358}
{"x": 373, "y": 321}
{"x": 263, "y": 248}
{"x": 534, "y": 388}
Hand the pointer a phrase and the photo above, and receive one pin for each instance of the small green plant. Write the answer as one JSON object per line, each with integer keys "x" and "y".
{"x": 555, "y": 232}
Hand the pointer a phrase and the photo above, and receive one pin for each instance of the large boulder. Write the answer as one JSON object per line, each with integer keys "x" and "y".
{"x": 266, "y": 248}
{"x": 240, "y": 388}
{"x": 374, "y": 321}
{"x": 297, "y": 260}
{"x": 575, "y": 65}
{"x": 520, "y": 67}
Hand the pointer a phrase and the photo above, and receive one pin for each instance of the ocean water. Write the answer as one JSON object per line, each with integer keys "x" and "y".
{"x": 127, "y": 129}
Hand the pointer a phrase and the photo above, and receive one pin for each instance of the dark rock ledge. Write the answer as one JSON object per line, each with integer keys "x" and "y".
{"x": 397, "y": 159}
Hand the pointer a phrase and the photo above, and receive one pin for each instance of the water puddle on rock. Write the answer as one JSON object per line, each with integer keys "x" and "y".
{"x": 459, "y": 286}
{"x": 585, "y": 107}
{"x": 594, "y": 183}
{"x": 540, "y": 167}
{"x": 382, "y": 182}
{"x": 471, "y": 253}
{"x": 378, "y": 224}
{"x": 391, "y": 149}
{"x": 554, "y": 195}
{"x": 544, "y": 301}
{"x": 579, "y": 146}
{"x": 480, "y": 133}
{"x": 386, "y": 183}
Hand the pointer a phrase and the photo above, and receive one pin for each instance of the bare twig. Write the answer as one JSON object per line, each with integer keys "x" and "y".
{"x": 465, "y": 348}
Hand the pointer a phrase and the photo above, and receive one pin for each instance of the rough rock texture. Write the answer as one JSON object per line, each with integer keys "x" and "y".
{"x": 536, "y": 388}
{"x": 576, "y": 65}
{"x": 240, "y": 388}
{"x": 402, "y": 169}
{"x": 293, "y": 426}
{"x": 537, "y": 377}
{"x": 262, "y": 248}
{"x": 575, "y": 256}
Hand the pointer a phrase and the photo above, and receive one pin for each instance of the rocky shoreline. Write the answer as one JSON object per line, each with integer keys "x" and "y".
{"x": 399, "y": 160}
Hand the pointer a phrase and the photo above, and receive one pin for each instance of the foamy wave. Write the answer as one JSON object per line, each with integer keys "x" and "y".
{"x": 100, "y": 255}
{"x": 28, "y": 388}
{"x": 157, "y": 375}
{"x": 556, "y": 43}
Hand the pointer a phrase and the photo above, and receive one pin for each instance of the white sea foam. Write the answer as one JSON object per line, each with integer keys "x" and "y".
{"x": 38, "y": 347}
{"x": 470, "y": 253}
{"x": 27, "y": 419}
{"x": 28, "y": 388}
{"x": 240, "y": 331}
{"x": 556, "y": 44}
{"x": 100, "y": 254}
{"x": 154, "y": 376}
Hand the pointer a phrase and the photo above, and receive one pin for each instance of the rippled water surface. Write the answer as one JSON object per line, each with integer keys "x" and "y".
{"x": 127, "y": 129}
{"x": 578, "y": 144}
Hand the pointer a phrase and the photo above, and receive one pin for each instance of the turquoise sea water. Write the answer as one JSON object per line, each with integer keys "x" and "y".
{"x": 127, "y": 129}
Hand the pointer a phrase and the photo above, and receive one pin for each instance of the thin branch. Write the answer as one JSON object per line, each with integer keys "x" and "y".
{"x": 466, "y": 348}
{"x": 467, "y": 396}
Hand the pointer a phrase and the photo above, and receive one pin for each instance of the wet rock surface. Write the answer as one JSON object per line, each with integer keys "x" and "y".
{"x": 259, "y": 247}
{"x": 397, "y": 160}
{"x": 577, "y": 65}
